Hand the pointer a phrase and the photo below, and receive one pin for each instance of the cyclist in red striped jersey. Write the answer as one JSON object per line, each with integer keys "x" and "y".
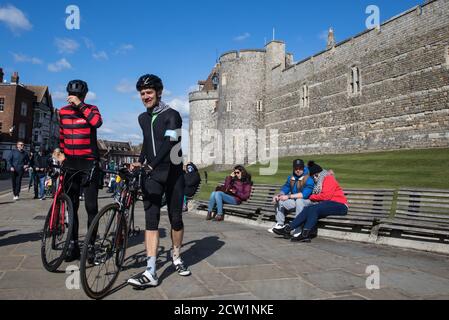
{"x": 78, "y": 140}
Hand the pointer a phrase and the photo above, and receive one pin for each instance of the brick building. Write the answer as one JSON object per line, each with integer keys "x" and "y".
{"x": 16, "y": 113}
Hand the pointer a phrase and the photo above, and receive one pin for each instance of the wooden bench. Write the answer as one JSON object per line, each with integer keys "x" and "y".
{"x": 421, "y": 214}
{"x": 366, "y": 208}
{"x": 261, "y": 197}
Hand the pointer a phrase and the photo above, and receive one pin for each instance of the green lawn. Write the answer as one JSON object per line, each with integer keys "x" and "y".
{"x": 428, "y": 168}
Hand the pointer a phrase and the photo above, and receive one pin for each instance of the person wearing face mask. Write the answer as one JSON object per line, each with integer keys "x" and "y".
{"x": 330, "y": 200}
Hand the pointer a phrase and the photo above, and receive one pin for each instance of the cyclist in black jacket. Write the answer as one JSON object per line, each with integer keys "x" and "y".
{"x": 161, "y": 127}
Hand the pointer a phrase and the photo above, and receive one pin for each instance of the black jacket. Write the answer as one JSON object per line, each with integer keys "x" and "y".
{"x": 161, "y": 133}
{"x": 41, "y": 162}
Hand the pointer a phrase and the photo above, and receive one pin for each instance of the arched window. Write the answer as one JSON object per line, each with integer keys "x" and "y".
{"x": 304, "y": 97}
{"x": 355, "y": 84}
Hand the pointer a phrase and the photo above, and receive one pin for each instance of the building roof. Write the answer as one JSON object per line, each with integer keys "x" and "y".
{"x": 208, "y": 85}
{"x": 39, "y": 91}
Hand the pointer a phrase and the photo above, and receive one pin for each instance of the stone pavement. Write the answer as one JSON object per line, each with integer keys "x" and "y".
{"x": 229, "y": 261}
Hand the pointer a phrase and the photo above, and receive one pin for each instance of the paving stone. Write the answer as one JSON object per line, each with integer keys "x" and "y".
{"x": 10, "y": 263}
{"x": 284, "y": 289}
{"x": 248, "y": 273}
{"x": 32, "y": 280}
{"x": 240, "y": 297}
{"x": 176, "y": 287}
{"x": 218, "y": 283}
{"x": 382, "y": 294}
{"x": 32, "y": 263}
{"x": 416, "y": 283}
{"x": 42, "y": 294}
{"x": 29, "y": 248}
{"x": 350, "y": 298}
{"x": 230, "y": 257}
{"x": 335, "y": 281}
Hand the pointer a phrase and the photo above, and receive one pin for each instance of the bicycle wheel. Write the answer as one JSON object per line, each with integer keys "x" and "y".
{"x": 56, "y": 239}
{"x": 107, "y": 239}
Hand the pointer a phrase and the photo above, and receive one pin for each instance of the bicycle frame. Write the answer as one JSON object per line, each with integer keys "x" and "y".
{"x": 59, "y": 189}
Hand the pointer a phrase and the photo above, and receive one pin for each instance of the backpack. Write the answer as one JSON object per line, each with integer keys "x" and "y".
{"x": 192, "y": 180}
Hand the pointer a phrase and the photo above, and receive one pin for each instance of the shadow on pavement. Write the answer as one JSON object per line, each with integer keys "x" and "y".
{"x": 4, "y": 233}
{"x": 21, "y": 238}
{"x": 198, "y": 251}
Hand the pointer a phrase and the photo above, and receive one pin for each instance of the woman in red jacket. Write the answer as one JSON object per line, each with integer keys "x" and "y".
{"x": 237, "y": 188}
{"x": 330, "y": 201}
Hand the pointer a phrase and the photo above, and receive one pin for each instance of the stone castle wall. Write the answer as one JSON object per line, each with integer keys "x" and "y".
{"x": 403, "y": 102}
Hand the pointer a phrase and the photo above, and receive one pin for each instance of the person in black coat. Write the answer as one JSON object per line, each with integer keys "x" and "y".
{"x": 41, "y": 165}
{"x": 18, "y": 162}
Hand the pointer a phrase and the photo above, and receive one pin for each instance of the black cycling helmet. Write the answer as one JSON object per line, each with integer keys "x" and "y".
{"x": 77, "y": 88}
{"x": 149, "y": 81}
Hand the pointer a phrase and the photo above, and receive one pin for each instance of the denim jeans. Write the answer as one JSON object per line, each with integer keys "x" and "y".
{"x": 41, "y": 180}
{"x": 219, "y": 198}
{"x": 312, "y": 214}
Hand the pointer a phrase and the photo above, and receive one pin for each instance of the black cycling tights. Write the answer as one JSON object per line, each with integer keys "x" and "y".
{"x": 174, "y": 192}
{"x": 90, "y": 190}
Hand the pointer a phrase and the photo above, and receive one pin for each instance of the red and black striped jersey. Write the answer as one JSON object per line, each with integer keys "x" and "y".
{"x": 78, "y": 131}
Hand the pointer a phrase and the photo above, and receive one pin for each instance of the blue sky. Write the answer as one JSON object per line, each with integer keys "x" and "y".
{"x": 178, "y": 40}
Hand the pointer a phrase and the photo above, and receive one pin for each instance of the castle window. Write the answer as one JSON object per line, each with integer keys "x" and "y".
{"x": 224, "y": 79}
{"x": 304, "y": 97}
{"x": 259, "y": 106}
{"x": 2, "y": 104}
{"x": 229, "y": 106}
{"x": 356, "y": 87}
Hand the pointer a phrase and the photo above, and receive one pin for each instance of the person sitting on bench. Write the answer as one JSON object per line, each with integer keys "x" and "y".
{"x": 331, "y": 201}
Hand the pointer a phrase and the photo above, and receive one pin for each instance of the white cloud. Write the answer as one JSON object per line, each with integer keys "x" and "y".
{"x": 193, "y": 88}
{"x": 125, "y": 86}
{"x": 59, "y": 96}
{"x": 124, "y": 48}
{"x": 100, "y": 55}
{"x": 14, "y": 19}
{"x": 18, "y": 57}
{"x": 89, "y": 43}
{"x": 91, "y": 96}
{"x": 242, "y": 37}
{"x": 59, "y": 65}
{"x": 181, "y": 105}
{"x": 66, "y": 45}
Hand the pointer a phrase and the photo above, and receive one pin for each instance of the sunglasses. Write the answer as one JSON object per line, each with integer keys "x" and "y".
{"x": 237, "y": 172}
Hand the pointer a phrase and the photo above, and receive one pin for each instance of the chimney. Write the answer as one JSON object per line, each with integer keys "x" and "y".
{"x": 330, "y": 39}
{"x": 15, "y": 78}
{"x": 1, "y": 75}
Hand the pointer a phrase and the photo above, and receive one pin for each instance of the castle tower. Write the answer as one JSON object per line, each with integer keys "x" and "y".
{"x": 240, "y": 106}
{"x": 203, "y": 116}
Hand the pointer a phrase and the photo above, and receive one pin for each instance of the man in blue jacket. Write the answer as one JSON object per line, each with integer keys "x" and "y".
{"x": 294, "y": 194}
{"x": 18, "y": 161}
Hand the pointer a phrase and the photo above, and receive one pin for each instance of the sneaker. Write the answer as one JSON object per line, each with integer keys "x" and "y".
{"x": 285, "y": 231}
{"x": 42, "y": 199}
{"x": 16, "y": 198}
{"x": 144, "y": 280}
{"x": 181, "y": 268}
{"x": 73, "y": 253}
{"x": 276, "y": 226}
